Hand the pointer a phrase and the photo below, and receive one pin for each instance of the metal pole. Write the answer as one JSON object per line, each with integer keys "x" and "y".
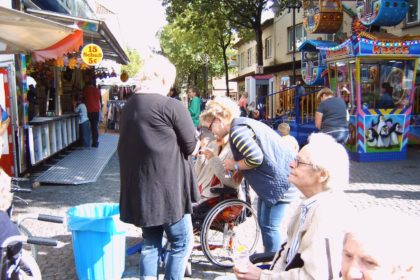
{"x": 294, "y": 44}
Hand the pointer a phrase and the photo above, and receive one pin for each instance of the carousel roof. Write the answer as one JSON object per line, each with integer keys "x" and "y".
{"x": 312, "y": 45}
{"x": 382, "y": 36}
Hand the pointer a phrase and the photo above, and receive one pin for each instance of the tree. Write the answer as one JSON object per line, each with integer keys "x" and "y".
{"x": 246, "y": 14}
{"x": 196, "y": 40}
{"x": 135, "y": 62}
{"x": 209, "y": 31}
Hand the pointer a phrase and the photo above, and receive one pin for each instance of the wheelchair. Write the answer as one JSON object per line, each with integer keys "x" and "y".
{"x": 222, "y": 224}
{"x": 229, "y": 222}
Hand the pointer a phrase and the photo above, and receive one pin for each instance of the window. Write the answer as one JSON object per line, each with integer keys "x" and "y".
{"x": 249, "y": 57}
{"x": 300, "y": 36}
{"x": 398, "y": 74}
{"x": 413, "y": 11}
{"x": 241, "y": 60}
{"x": 329, "y": 37}
{"x": 268, "y": 48}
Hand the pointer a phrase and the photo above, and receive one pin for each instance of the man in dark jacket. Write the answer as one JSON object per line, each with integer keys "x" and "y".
{"x": 157, "y": 182}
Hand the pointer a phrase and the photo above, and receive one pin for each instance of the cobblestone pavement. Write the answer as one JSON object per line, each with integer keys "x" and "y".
{"x": 390, "y": 184}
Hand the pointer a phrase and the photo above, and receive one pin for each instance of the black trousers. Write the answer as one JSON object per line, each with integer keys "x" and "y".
{"x": 94, "y": 127}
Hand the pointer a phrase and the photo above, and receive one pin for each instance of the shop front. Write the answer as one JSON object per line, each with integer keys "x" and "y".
{"x": 21, "y": 33}
{"x": 376, "y": 77}
{"x": 43, "y": 128}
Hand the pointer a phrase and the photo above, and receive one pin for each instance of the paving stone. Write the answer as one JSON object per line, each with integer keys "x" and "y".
{"x": 394, "y": 185}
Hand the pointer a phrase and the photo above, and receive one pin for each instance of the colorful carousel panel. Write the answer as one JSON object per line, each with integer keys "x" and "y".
{"x": 381, "y": 12}
{"x": 313, "y": 61}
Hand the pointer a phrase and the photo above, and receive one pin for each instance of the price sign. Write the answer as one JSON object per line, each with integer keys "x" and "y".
{"x": 92, "y": 54}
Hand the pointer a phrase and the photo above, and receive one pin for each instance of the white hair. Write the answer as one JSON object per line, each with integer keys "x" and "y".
{"x": 157, "y": 75}
{"x": 328, "y": 155}
{"x": 390, "y": 237}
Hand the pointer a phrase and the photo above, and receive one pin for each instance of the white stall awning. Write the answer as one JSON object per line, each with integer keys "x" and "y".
{"x": 23, "y": 33}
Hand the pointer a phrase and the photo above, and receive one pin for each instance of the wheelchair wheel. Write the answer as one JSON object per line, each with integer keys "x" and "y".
{"x": 29, "y": 269}
{"x": 229, "y": 224}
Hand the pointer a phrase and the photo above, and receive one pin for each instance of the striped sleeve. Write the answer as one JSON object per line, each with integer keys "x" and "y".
{"x": 243, "y": 138}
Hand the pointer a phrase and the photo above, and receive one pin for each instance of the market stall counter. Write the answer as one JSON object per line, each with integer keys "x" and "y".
{"x": 49, "y": 135}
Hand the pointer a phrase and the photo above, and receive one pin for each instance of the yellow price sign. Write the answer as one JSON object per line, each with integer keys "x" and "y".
{"x": 92, "y": 54}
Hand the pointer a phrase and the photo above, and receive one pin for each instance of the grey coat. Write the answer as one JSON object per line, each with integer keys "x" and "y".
{"x": 157, "y": 181}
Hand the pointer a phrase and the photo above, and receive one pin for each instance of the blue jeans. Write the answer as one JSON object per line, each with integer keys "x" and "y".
{"x": 270, "y": 219}
{"x": 340, "y": 135}
{"x": 84, "y": 129}
{"x": 180, "y": 235}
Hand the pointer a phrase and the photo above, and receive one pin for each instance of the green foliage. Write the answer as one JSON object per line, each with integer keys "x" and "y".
{"x": 195, "y": 40}
{"x": 135, "y": 62}
{"x": 246, "y": 15}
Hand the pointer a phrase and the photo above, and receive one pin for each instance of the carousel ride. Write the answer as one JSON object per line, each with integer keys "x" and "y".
{"x": 355, "y": 70}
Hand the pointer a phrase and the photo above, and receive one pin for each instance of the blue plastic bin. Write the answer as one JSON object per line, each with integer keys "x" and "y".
{"x": 98, "y": 240}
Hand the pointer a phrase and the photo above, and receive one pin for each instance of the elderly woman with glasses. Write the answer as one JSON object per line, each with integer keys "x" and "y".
{"x": 262, "y": 160}
{"x": 316, "y": 231}
{"x": 209, "y": 167}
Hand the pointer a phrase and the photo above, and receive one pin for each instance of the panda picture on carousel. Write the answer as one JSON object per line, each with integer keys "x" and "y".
{"x": 384, "y": 132}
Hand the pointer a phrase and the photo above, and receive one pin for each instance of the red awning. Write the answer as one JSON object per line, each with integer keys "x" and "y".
{"x": 263, "y": 77}
{"x": 71, "y": 43}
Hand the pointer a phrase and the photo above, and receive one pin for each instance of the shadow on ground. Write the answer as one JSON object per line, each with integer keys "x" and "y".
{"x": 380, "y": 193}
{"x": 402, "y": 172}
{"x": 105, "y": 189}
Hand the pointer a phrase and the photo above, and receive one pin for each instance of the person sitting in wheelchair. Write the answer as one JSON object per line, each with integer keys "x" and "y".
{"x": 212, "y": 178}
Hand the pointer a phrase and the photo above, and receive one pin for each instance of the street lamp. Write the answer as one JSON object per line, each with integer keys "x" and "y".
{"x": 291, "y": 5}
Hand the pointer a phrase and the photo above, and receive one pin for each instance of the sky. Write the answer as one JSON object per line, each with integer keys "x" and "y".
{"x": 138, "y": 21}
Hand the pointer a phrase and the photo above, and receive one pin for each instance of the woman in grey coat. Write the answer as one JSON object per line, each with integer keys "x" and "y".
{"x": 157, "y": 182}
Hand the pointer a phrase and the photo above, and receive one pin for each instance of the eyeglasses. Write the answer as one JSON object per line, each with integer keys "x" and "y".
{"x": 211, "y": 124}
{"x": 297, "y": 161}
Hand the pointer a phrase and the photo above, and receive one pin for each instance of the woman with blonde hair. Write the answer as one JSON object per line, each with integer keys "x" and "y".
{"x": 261, "y": 159}
{"x": 209, "y": 164}
{"x": 218, "y": 150}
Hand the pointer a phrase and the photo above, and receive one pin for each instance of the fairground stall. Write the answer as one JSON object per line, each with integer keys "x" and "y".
{"x": 48, "y": 47}
{"x": 21, "y": 33}
{"x": 357, "y": 70}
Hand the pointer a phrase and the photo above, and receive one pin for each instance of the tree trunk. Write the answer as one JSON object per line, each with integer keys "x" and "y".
{"x": 226, "y": 71}
{"x": 258, "y": 39}
{"x": 206, "y": 79}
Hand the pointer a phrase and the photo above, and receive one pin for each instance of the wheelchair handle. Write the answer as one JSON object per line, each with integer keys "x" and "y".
{"x": 224, "y": 190}
{"x": 50, "y": 218}
{"x": 42, "y": 241}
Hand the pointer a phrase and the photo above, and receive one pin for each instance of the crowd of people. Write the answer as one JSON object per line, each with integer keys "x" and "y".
{"x": 163, "y": 187}
{"x": 172, "y": 156}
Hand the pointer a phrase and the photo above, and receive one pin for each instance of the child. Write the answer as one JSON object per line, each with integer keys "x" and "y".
{"x": 289, "y": 140}
{"x": 84, "y": 126}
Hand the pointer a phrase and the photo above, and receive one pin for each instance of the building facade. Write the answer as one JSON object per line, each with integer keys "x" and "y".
{"x": 277, "y": 40}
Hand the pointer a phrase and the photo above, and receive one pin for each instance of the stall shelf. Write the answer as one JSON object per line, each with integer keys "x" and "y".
{"x": 49, "y": 135}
